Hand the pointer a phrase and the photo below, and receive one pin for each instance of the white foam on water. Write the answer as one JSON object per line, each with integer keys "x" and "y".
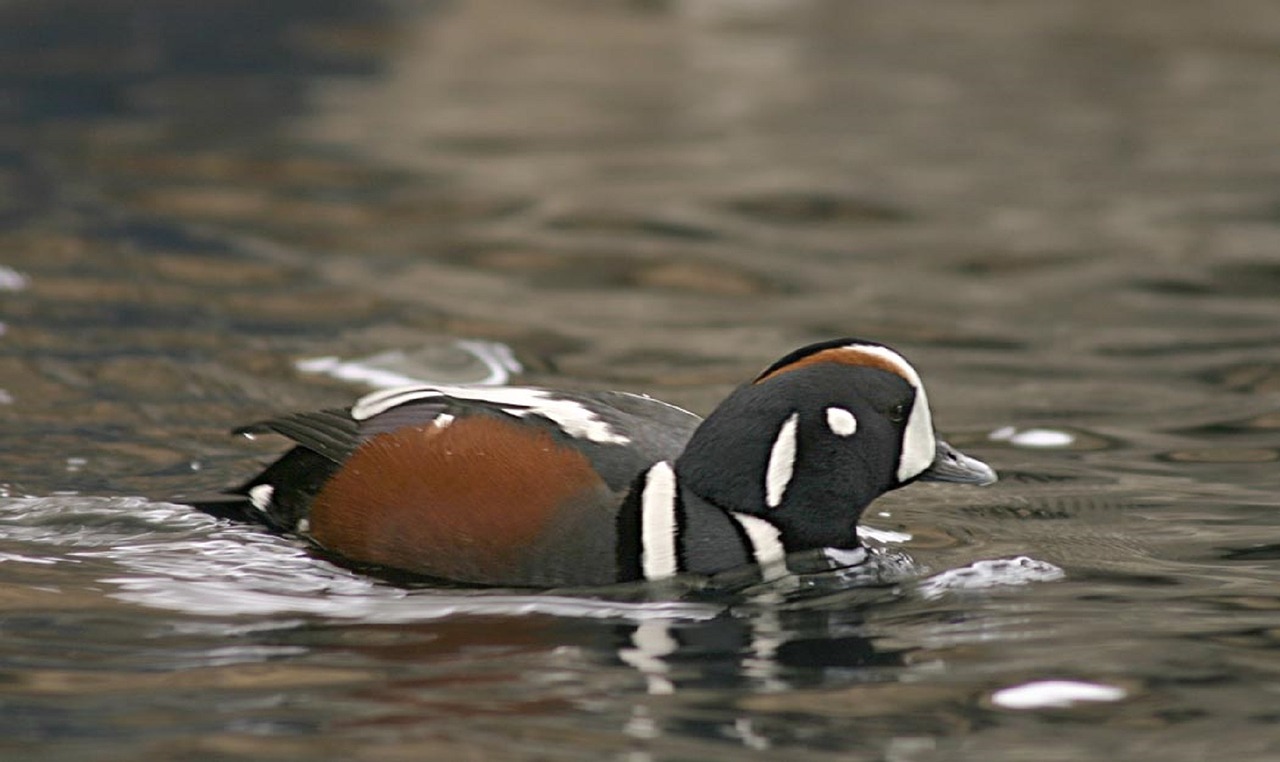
{"x": 488, "y": 363}
{"x": 1035, "y": 437}
{"x": 989, "y": 574}
{"x": 1045, "y": 694}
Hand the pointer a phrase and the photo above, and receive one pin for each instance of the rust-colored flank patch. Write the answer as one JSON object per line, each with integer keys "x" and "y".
{"x": 852, "y": 355}
{"x": 459, "y": 501}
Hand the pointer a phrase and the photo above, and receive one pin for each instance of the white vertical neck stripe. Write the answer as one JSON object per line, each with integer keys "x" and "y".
{"x": 658, "y": 523}
{"x": 766, "y": 540}
{"x": 260, "y": 496}
{"x": 782, "y": 461}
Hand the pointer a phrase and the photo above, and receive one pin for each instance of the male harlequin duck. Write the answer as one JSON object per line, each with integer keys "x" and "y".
{"x": 537, "y": 488}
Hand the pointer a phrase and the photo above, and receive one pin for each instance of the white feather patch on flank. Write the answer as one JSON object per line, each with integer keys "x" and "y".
{"x": 918, "y": 444}
{"x": 260, "y": 496}
{"x": 766, "y": 540}
{"x": 658, "y": 523}
{"x": 574, "y": 418}
{"x": 842, "y": 422}
{"x": 782, "y": 462}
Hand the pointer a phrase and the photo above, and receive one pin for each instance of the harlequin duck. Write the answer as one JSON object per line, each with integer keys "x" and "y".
{"x": 531, "y": 487}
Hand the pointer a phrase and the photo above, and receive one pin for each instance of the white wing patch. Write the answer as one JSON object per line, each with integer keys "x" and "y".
{"x": 841, "y": 422}
{"x": 573, "y": 417}
{"x": 782, "y": 461}
{"x": 658, "y": 523}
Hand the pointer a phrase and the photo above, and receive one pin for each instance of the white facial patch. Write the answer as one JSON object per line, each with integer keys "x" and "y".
{"x": 841, "y": 422}
{"x": 574, "y": 418}
{"x": 260, "y": 496}
{"x": 658, "y": 523}
{"x": 918, "y": 445}
{"x": 782, "y": 462}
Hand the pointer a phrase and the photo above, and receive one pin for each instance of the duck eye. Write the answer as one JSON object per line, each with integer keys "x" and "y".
{"x": 898, "y": 413}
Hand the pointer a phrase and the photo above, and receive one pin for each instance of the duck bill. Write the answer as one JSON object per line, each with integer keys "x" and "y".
{"x": 951, "y": 465}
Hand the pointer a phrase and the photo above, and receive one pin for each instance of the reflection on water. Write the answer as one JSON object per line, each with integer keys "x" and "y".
{"x": 168, "y": 556}
{"x": 1054, "y": 693}
{"x": 461, "y": 361}
{"x": 256, "y": 598}
{"x": 1064, "y": 213}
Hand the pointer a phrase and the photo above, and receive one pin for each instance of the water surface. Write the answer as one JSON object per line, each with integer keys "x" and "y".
{"x": 1065, "y": 213}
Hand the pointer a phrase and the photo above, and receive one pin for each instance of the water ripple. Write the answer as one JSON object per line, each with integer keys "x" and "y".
{"x": 171, "y": 557}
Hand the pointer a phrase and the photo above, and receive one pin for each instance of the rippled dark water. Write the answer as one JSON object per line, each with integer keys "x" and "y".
{"x": 1066, "y": 213}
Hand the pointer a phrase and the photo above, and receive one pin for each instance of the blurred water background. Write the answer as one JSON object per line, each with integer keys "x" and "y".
{"x": 1065, "y": 212}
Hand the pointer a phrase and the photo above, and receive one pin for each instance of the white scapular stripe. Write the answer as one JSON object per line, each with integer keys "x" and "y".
{"x": 260, "y": 496}
{"x": 841, "y": 422}
{"x": 658, "y": 523}
{"x": 766, "y": 544}
{"x": 782, "y": 461}
{"x": 573, "y": 417}
{"x": 918, "y": 445}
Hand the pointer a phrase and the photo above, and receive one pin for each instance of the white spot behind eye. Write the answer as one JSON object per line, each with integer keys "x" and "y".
{"x": 841, "y": 422}
{"x": 782, "y": 461}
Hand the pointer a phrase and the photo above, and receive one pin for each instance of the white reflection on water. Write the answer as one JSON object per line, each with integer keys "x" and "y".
{"x": 1035, "y": 437}
{"x": 887, "y": 536}
{"x": 172, "y": 557}
{"x": 993, "y": 573}
{"x": 268, "y": 575}
{"x": 465, "y": 361}
{"x": 1043, "y": 694}
{"x": 12, "y": 280}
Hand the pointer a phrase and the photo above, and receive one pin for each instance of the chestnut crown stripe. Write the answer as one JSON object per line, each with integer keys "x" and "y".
{"x": 859, "y": 354}
{"x": 918, "y": 443}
